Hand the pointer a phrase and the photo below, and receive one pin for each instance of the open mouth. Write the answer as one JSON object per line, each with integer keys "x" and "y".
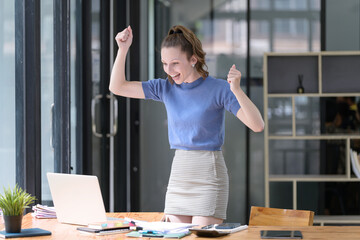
{"x": 175, "y": 77}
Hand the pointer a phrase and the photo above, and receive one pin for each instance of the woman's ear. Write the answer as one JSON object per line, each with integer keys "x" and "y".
{"x": 193, "y": 60}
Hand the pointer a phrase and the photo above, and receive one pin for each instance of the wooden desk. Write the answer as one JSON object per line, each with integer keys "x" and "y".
{"x": 68, "y": 232}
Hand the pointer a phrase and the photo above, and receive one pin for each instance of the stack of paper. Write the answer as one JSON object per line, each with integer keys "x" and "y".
{"x": 41, "y": 211}
{"x": 161, "y": 226}
{"x": 160, "y": 229}
{"x": 165, "y": 227}
{"x": 154, "y": 234}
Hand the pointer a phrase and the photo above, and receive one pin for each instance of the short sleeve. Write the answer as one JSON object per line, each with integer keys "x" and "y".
{"x": 153, "y": 89}
{"x": 231, "y": 104}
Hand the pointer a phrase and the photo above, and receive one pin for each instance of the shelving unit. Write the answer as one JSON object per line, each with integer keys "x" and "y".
{"x": 303, "y": 158}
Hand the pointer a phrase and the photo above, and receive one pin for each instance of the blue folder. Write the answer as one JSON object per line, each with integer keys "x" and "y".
{"x": 29, "y": 232}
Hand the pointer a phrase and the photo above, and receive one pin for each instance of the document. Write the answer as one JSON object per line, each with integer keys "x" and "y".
{"x": 42, "y": 211}
{"x": 160, "y": 229}
{"x": 165, "y": 227}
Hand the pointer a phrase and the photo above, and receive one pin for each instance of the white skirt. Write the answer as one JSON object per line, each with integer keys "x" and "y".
{"x": 198, "y": 184}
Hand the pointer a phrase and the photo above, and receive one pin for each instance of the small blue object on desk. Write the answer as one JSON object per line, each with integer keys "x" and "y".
{"x": 29, "y": 232}
{"x": 154, "y": 234}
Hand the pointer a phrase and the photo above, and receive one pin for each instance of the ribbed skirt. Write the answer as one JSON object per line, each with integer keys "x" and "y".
{"x": 198, "y": 184}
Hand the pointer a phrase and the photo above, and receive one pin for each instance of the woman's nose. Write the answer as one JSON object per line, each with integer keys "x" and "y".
{"x": 167, "y": 69}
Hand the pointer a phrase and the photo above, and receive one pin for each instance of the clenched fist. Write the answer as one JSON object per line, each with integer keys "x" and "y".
{"x": 124, "y": 38}
{"x": 234, "y": 77}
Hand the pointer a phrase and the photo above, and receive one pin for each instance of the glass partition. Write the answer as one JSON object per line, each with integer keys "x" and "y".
{"x": 47, "y": 96}
{"x": 7, "y": 94}
{"x": 73, "y": 71}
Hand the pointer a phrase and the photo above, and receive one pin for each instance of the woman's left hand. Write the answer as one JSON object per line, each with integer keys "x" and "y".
{"x": 234, "y": 77}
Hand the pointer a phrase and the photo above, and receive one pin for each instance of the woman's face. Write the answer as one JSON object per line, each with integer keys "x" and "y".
{"x": 177, "y": 65}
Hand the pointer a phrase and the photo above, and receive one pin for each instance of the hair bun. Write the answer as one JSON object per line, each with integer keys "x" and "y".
{"x": 175, "y": 31}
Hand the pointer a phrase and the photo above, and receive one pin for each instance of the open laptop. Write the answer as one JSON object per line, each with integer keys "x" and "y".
{"x": 77, "y": 198}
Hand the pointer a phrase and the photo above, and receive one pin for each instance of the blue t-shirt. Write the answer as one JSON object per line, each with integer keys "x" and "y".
{"x": 195, "y": 111}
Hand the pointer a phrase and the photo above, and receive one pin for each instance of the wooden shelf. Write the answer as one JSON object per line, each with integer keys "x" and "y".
{"x": 290, "y": 95}
{"x": 316, "y": 137}
{"x": 334, "y": 220}
{"x": 312, "y": 178}
{"x": 326, "y": 76}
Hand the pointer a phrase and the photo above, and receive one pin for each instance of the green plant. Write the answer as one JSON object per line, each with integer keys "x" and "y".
{"x": 14, "y": 201}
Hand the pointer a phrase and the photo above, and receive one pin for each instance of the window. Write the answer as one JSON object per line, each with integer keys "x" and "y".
{"x": 47, "y": 95}
{"x": 7, "y": 94}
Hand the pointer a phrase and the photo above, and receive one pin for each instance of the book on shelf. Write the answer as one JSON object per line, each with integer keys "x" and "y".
{"x": 355, "y": 162}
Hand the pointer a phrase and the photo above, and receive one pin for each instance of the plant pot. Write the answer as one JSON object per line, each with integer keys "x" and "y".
{"x": 13, "y": 223}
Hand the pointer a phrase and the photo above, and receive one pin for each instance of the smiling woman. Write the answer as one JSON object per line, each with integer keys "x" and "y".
{"x": 183, "y": 47}
{"x": 178, "y": 66}
{"x": 198, "y": 187}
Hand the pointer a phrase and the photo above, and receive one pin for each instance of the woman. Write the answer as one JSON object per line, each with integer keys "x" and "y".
{"x": 195, "y": 102}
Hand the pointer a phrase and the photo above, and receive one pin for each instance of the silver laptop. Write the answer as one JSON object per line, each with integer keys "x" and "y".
{"x": 77, "y": 198}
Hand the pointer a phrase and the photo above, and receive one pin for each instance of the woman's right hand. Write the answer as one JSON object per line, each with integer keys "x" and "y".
{"x": 124, "y": 38}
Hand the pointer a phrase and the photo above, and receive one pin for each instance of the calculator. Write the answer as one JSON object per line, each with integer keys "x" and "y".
{"x": 227, "y": 225}
{"x": 218, "y": 230}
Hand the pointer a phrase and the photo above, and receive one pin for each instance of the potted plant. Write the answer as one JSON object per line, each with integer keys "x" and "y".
{"x": 12, "y": 203}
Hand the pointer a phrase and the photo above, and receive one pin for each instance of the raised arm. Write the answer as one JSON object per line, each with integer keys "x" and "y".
{"x": 118, "y": 83}
{"x": 248, "y": 113}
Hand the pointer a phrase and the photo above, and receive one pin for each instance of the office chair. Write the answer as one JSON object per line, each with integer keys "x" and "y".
{"x": 262, "y": 216}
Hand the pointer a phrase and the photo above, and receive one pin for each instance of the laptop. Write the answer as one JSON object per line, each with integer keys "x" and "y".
{"x": 77, "y": 198}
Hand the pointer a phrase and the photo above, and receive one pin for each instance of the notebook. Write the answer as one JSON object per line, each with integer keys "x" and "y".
{"x": 77, "y": 198}
{"x": 29, "y": 232}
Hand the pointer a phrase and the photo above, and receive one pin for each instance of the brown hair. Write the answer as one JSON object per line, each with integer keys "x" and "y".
{"x": 181, "y": 36}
